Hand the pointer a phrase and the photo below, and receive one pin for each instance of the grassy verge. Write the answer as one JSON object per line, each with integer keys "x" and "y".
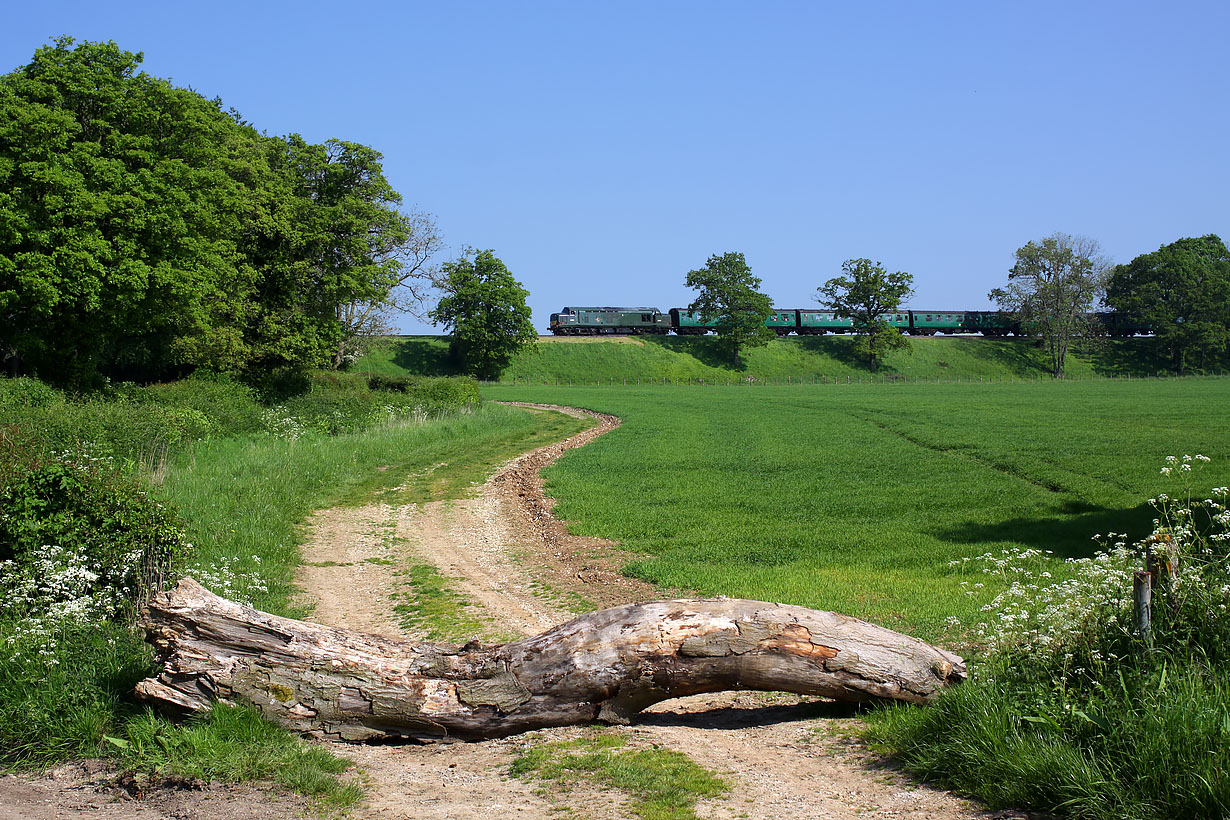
{"x": 856, "y": 499}
{"x": 661, "y": 784}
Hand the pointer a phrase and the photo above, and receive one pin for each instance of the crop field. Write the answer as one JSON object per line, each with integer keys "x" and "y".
{"x": 856, "y": 498}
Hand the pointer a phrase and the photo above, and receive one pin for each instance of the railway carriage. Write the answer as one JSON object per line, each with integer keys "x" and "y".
{"x": 594, "y": 321}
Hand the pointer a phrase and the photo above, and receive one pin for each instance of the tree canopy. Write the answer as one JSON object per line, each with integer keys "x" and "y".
{"x": 864, "y": 294}
{"x": 730, "y": 298}
{"x": 1051, "y": 290}
{"x": 145, "y": 231}
{"x": 484, "y": 310}
{"x": 1183, "y": 291}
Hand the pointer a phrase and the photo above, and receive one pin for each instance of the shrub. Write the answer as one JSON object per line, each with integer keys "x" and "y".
{"x": 78, "y": 541}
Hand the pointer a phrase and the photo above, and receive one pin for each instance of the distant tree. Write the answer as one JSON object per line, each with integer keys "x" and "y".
{"x": 484, "y": 310}
{"x": 864, "y": 294}
{"x": 402, "y": 285}
{"x": 1051, "y": 290}
{"x": 1183, "y": 290}
{"x": 730, "y": 297}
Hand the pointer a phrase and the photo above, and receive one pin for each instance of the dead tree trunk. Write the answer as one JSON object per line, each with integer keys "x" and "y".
{"x": 603, "y": 666}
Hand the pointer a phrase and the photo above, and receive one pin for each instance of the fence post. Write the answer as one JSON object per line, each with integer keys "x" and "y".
{"x": 1142, "y": 604}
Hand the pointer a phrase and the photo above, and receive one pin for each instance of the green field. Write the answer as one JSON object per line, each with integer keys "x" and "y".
{"x": 855, "y": 498}
{"x": 795, "y": 359}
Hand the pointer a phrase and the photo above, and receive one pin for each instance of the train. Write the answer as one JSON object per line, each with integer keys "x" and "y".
{"x": 595, "y": 321}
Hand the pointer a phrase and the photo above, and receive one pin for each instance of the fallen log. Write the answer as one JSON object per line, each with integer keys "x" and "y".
{"x": 602, "y": 666}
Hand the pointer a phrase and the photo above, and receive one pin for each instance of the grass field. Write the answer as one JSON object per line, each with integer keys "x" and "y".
{"x": 855, "y": 498}
{"x": 672, "y": 358}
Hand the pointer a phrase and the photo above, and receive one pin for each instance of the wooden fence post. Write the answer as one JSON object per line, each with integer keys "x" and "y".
{"x": 1142, "y": 604}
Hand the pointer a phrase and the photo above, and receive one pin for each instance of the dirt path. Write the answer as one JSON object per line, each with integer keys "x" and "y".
{"x": 787, "y": 757}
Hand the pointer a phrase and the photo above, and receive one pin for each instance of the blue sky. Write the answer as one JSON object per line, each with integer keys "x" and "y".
{"x": 604, "y": 150}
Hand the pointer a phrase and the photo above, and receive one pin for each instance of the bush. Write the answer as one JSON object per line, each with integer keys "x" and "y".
{"x": 340, "y": 403}
{"x": 78, "y": 542}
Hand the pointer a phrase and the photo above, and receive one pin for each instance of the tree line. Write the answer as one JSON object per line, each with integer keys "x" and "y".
{"x": 1182, "y": 290}
{"x": 146, "y": 232}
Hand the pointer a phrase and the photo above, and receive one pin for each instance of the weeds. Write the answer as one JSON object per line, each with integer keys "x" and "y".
{"x": 662, "y": 784}
{"x": 234, "y": 744}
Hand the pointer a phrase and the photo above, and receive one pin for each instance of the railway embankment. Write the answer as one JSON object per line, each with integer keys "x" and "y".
{"x": 646, "y": 359}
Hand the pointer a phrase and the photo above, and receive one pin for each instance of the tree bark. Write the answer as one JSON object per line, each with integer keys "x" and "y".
{"x": 602, "y": 666}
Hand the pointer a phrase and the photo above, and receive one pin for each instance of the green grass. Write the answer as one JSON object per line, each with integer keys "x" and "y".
{"x": 234, "y": 744}
{"x": 429, "y": 602}
{"x": 825, "y": 358}
{"x": 1148, "y": 746}
{"x": 244, "y": 499}
{"x": 855, "y": 498}
{"x": 662, "y": 784}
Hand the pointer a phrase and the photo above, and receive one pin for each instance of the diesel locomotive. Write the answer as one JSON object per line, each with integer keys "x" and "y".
{"x": 595, "y": 321}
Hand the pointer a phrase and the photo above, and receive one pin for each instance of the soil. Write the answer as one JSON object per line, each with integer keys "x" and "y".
{"x": 786, "y": 757}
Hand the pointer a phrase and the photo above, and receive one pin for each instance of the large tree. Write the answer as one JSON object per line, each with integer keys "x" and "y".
{"x": 484, "y": 310}
{"x": 1052, "y": 289}
{"x": 121, "y": 198}
{"x": 730, "y": 298}
{"x": 357, "y": 256}
{"x": 864, "y": 294}
{"x": 145, "y": 231}
{"x": 1183, "y": 290}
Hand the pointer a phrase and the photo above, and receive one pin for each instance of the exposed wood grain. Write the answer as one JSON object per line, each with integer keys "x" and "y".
{"x": 604, "y": 666}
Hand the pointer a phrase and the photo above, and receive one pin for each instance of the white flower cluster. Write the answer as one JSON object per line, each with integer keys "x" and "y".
{"x": 60, "y": 588}
{"x": 227, "y": 579}
{"x": 1037, "y": 616}
{"x": 280, "y": 424}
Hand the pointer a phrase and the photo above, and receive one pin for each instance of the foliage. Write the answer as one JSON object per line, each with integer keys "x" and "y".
{"x": 1183, "y": 291}
{"x": 1072, "y": 709}
{"x": 730, "y": 297}
{"x": 1051, "y": 290}
{"x": 145, "y": 231}
{"x": 663, "y": 784}
{"x": 484, "y": 310}
{"x": 61, "y": 691}
{"x": 865, "y": 293}
{"x": 79, "y": 542}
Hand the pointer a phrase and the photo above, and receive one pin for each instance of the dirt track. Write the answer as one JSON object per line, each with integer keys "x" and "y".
{"x": 787, "y": 757}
